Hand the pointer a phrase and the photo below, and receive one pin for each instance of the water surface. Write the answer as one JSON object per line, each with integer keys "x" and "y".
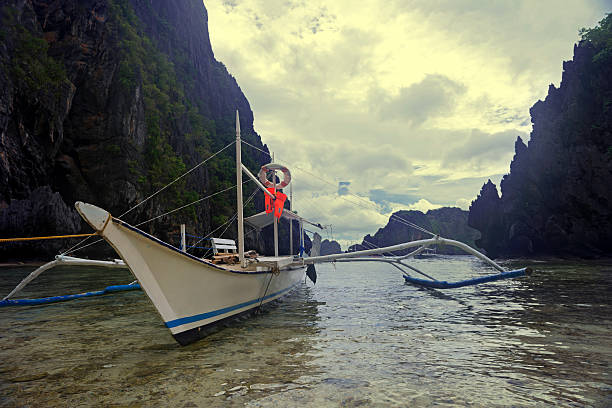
{"x": 359, "y": 337}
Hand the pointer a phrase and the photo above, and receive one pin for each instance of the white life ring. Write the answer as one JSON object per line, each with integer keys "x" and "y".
{"x": 274, "y": 167}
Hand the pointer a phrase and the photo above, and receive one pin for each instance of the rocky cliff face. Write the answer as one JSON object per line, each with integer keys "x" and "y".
{"x": 448, "y": 222}
{"x": 106, "y": 101}
{"x": 557, "y": 198}
{"x": 484, "y": 216}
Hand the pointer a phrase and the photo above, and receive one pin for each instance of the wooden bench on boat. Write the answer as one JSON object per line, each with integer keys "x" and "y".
{"x": 228, "y": 246}
{"x": 229, "y": 254}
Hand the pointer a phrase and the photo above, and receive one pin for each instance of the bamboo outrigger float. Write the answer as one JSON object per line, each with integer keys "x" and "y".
{"x": 399, "y": 262}
{"x": 193, "y": 294}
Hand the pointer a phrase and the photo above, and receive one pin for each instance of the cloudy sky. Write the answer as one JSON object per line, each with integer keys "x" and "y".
{"x": 407, "y": 104}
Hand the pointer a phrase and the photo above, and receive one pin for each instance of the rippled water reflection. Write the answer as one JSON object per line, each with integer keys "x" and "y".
{"x": 359, "y": 337}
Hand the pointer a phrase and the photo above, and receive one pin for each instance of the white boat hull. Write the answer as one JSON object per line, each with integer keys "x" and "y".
{"x": 189, "y": 293}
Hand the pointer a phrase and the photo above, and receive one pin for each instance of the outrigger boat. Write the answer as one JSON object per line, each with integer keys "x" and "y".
{"x": 193, "y": 294}
{"x": 190, "y": 293}
{"x": 427, "y": 254}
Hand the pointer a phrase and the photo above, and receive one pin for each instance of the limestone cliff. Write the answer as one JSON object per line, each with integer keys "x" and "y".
{"x": 330, "y": 247}
{"x": 557, "y": 198}
{"x": 105, "y": 101}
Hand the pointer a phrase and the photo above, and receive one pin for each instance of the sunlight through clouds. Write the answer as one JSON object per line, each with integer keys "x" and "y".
{"x": 417, "y": 100}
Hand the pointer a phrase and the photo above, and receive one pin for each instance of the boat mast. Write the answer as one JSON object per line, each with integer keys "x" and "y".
{"x": 290, "y": 221}
{"x": 239, "y": 193}
{"x": 275, "y": 219}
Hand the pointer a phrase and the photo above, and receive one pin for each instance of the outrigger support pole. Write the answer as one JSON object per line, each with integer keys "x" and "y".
{"x": 63, "y": 260}
{"x": 398, "y": 262}
{"x": 423, "y": 242}
{"x": 432, "y": 282}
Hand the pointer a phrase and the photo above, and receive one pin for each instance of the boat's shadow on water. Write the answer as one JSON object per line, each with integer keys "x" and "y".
{"x": 437, "y": 294}
{"x": 297, "y": 309}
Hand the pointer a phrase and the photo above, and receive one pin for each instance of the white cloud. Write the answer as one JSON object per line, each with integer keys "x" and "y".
{"x": 353, "y": 214}
{"x": 463, "y": 203}
{"x": 423, "y": 206}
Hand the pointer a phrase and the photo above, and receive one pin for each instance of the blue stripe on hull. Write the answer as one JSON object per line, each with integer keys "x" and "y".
{"x": 208, "y": 315}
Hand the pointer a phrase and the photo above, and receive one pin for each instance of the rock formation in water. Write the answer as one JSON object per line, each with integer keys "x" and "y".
{"x": 557, "y": 198}
{"x": 330, "y": 247}
{"x": 484, "y": 216}
{"x": 106, "y": 101}
{"x": 448, "y": 222}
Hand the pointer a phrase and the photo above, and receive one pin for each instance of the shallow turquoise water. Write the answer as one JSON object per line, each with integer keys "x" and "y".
{"x": 359, "y": 337}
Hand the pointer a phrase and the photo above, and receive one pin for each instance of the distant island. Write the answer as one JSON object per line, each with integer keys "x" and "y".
{"x": 449, "y": 222}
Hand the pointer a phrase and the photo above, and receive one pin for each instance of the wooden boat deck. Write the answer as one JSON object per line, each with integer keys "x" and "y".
{"x": 264, "y": 263}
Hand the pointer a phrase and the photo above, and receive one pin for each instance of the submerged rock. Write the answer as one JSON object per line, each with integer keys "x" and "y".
{"x": 29, "y": 377}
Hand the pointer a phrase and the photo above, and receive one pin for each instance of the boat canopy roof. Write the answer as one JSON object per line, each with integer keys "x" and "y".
{"x": 263, "y": 219}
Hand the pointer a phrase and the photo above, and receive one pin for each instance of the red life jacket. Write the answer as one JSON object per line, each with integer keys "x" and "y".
{"x": 279, "y": 204}
{"x": 269, "y": 205}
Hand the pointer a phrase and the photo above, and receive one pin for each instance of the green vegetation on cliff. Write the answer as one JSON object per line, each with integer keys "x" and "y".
{"x": 164, "y": 101}
{"x": 601, "y": 38}
{"x": 35, "y": 73}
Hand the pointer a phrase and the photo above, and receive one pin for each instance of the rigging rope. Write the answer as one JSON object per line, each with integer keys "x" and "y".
{"x": 372, "y": 245}
{"x": 398, "y": 218}
{"x": 50, "y": 237}
{"x": 228, "y": 222}
{"x": 152, "y": 219}
{"x": 74, "y": 247}
{"x": 176, "y": 179}
{"x": 266, "y": 291}
{"x": 190, "y": 204}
